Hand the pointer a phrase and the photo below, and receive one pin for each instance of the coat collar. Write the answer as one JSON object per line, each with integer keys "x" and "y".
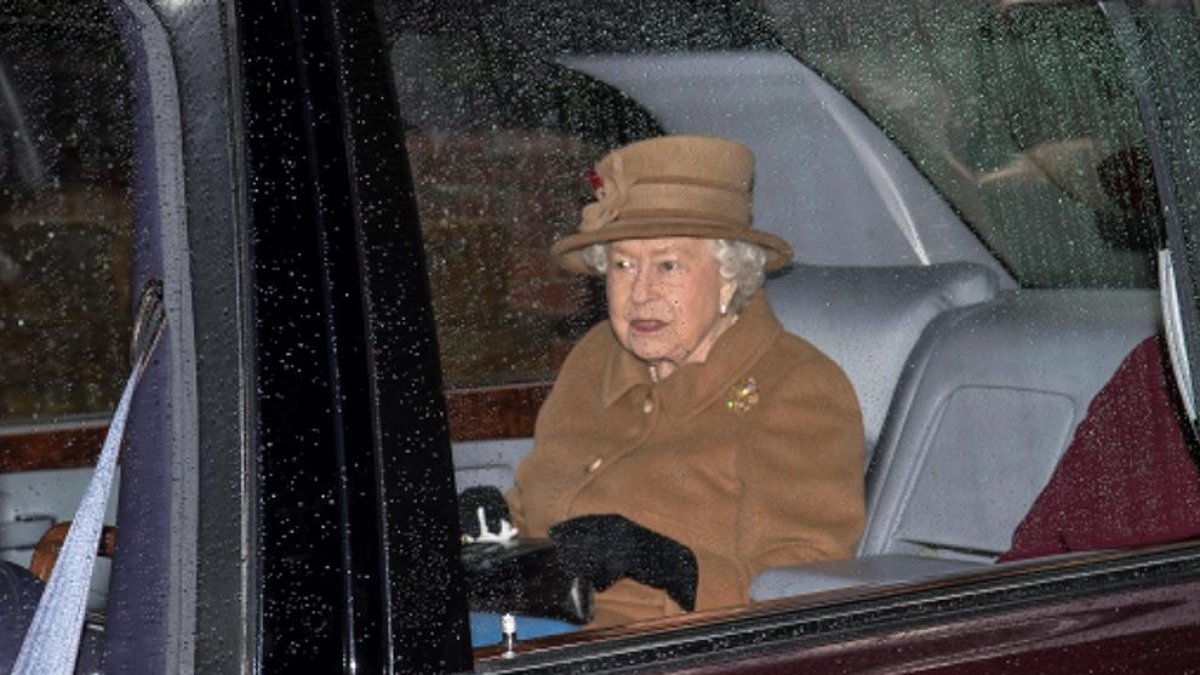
{"x": 695, "y": 386}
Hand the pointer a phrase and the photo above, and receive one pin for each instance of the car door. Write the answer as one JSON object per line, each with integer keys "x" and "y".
{"x": 320, "y": 226}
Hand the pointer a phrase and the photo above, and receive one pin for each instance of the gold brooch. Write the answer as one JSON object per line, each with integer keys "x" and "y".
{"x": 743, "y": 396}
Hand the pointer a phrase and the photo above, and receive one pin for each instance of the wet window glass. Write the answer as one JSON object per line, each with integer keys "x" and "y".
{"x": 64, "y": 213}
{"x": 500, "y": 138}
{"x": 992, "y": 156}
{"x": 1021, "y": 116}
{"x": 65, "y": 267}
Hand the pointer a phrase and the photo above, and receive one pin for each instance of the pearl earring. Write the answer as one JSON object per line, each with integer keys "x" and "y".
{"x": 724, "y": 309}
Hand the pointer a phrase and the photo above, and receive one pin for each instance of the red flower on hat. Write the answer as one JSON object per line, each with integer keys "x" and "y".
{"x": 610, "y": 192}
{"x": 594, "y": 179}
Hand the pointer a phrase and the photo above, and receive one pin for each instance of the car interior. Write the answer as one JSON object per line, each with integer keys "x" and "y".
{"x": 971, "y": 385}
{"x": 959, "y": 446}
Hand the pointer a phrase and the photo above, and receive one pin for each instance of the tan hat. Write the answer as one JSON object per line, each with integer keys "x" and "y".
{"x": 671, "y": 186}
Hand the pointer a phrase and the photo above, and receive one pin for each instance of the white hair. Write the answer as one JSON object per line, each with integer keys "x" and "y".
{"x": 738, "y": 261}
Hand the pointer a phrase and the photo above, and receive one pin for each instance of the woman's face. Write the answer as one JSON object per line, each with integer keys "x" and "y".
{"x": 664, "y": 299}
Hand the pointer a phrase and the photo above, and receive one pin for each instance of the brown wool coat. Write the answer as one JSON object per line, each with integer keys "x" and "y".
{"x": 746, "y": 480}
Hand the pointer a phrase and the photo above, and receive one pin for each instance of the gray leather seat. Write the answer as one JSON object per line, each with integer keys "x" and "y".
{"x": 986, "y": 406}
{"x": 989, "y": 403}
{"x": 489, "y": 462}
{"x": 868, "y": 319}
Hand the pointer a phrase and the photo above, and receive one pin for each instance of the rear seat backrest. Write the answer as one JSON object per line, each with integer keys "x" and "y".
{"x": 984, "y": 410}
{"x": 867, "y": 319}
{"x": 488, "y": 462}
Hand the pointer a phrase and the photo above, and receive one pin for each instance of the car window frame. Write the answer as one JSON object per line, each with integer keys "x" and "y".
{"x": 1176, "y": 270}
{"x": 161, "y": 432}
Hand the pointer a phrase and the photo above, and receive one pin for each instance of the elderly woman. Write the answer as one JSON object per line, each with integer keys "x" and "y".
{"x": 689, "y": 442}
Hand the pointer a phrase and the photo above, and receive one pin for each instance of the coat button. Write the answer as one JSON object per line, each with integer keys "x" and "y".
{"x": 647, "y": 406}
{"x": 595, "y": 464}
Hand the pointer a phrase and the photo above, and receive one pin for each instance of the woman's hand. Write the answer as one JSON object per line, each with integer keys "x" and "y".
{"x": 604, "y": 548}
{"x": 483, "y": 515}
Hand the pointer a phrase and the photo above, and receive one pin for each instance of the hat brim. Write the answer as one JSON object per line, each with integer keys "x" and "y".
{"x": 568, "y": 250}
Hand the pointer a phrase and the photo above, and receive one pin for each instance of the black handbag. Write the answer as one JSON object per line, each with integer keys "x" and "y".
{"x": 524, "y": 576}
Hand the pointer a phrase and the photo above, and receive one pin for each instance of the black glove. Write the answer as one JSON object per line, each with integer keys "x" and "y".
{"x": 604, "y": 548}
{"x": 495, "y": 511}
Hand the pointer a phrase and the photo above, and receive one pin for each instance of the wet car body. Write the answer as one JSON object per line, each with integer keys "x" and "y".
{"x": 287, "y": 497}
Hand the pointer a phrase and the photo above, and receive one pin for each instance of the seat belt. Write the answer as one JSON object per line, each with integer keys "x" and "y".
{"x": 51, "y": 644}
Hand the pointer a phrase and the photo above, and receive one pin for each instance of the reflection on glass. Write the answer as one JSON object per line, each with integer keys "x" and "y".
{"x": 1022, "y": 115}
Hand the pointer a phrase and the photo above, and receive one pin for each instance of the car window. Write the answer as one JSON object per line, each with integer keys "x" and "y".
{"x": 1020, "y": 120}
{"x": 482, "y": 170}
{"x": 65, "y": 265}
{"x": 1021, "y": 116}
{"x": 65, "y": 241}
{"x": 500, "y": 138}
